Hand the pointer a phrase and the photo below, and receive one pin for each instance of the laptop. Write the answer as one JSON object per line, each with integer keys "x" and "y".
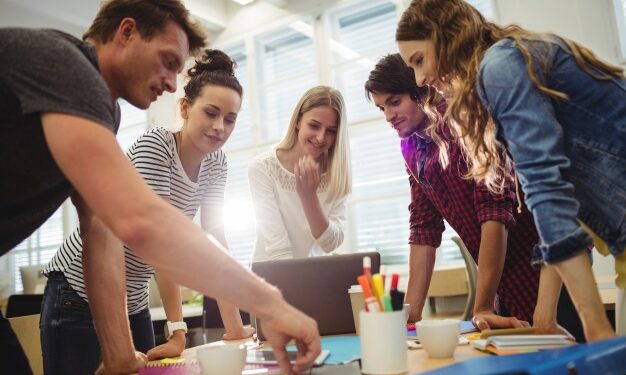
{"x": 318, "y": 287}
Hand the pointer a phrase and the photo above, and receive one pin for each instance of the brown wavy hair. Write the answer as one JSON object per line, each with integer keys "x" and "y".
{"x": 461, "y": 35}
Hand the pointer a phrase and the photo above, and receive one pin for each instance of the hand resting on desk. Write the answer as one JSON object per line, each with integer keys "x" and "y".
{"x": 244, "y": 333}
{"x": 488, "y": 320}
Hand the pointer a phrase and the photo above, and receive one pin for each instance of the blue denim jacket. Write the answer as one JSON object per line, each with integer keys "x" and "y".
{"x": 570, "y": 155}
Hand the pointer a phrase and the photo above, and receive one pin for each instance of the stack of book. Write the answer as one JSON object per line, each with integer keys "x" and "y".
{"x": 515, "y": 341}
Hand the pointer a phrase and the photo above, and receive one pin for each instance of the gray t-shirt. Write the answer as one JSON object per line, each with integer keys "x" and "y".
{"x": 41, "y": 71}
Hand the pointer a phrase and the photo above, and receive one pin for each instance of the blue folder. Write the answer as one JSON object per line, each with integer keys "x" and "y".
{"x": 342, "y": 349}
{"x": 607, "y": 357}
{"x": 466, "y": 327}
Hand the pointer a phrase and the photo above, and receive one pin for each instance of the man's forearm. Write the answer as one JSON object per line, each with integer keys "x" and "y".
{"x": 491, "y": 258}
{"x": 104, "y": 273}
{"x": 196, "y": 255}
{"x": 162, "y": 236}
{"x": 421, "y": 265}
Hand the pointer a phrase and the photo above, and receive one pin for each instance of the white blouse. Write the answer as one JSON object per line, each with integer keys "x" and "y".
{"x": 282, "y": 229}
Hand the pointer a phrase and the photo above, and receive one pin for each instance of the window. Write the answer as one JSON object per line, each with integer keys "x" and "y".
{"x": 287, "y": 61}
{"x": 239, "y": 223}
{"x": 620, "y": 18}
{"x": 39, "y": 248}
{"x": 132, "y": 125}
{"x": 485, "y": 7}
{"x": 286, "y": 69}
{"x": 362, "y": 33}
{"x": 242, "y": 135}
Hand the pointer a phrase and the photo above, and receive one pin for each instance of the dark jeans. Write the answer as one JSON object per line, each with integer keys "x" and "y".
{"x": 11, "y": 354}
{"x": 68, "y": 339}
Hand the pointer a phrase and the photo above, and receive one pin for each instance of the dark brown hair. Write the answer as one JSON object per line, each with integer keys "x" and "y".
{"x": 151, "y": 16}
{"x": 392, "y": 76}
{"x": 214, "y": 67}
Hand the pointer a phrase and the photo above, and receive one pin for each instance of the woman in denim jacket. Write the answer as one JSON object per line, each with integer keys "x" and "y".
{"x": 560, "y": 114}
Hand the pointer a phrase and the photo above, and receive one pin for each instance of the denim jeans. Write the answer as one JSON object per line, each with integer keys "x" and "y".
{"x": 68, "y": 339}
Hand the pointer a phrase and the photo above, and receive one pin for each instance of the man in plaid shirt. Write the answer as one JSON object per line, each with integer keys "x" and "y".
{"x": 490, "y": 225}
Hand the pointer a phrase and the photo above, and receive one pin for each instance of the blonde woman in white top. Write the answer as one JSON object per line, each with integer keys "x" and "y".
{"x": 299, "y": 188}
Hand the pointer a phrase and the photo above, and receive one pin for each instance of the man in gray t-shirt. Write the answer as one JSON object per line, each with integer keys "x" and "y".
{"x": 57, "y": 117}
{"x": 42, "y": 71}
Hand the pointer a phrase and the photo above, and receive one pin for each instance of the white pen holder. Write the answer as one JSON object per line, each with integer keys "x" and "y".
{"x": 383, "y": 342}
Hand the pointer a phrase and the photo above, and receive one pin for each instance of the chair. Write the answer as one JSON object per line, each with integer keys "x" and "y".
{"x": 23, "y": 304}
{"x": 26, "y": 329}
{"x": 472, "y": 271}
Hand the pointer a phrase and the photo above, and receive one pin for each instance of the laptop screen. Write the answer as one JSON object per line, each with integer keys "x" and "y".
{"x": 318, "y": 287}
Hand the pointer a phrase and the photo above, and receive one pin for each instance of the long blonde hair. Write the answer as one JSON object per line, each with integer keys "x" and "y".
{"x": 461, "y": 36}
{"x": 337, "y": 161}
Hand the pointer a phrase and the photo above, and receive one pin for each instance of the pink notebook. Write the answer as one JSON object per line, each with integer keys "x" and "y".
{"x": 182, "y": 368}
{"x": 192, "y": 368}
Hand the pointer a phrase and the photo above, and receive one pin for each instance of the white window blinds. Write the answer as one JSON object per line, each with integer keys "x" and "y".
{"x": 361, "y": 33}
{"x": 286, "y": 69}
{"x": 242, "y": 135}
{"x": 132, "y": 125}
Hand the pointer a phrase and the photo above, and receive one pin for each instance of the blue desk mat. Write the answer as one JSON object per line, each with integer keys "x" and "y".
{"x": 606, "y": 357}
{"x": 342, "y": 348}
{"x": 466, "y": 327}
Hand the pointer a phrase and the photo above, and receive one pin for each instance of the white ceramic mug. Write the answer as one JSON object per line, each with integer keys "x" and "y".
{"x": 228, "y": 359}
{"x": 383, "y": 342}
{"x": 439, "y": 337}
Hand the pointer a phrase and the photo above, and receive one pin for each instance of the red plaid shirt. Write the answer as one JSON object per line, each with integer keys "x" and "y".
{"x": 438, "y": 194}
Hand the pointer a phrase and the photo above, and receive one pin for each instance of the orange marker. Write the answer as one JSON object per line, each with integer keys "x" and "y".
{"x": 370, "y": 301}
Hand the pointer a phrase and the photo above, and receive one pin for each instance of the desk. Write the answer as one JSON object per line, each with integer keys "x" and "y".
{"x": 608, "y": 291}
{"x": 418, "y": 360}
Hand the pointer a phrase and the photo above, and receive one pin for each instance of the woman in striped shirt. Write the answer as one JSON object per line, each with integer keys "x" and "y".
{"x": 186, "y": 168}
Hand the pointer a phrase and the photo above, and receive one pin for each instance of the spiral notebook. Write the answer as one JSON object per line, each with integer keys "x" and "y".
{"x": 171, "y": 366}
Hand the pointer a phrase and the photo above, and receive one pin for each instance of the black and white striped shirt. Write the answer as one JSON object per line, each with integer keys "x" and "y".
{"x": 155, "y": 158}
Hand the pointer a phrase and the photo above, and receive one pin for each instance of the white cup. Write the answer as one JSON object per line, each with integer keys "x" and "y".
{"x": 356, "y": 301}
{"x": 383, "y": 342}
{"x": 228, "y": 359}
{"x": 439, "y": 337}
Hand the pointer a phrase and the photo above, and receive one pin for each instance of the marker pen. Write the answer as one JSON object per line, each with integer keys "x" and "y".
{"x": 377, "y": 286}
{"x": 370, "y": 301}
{"x": 367, "y": 266}
{"x": 397, "y": 297}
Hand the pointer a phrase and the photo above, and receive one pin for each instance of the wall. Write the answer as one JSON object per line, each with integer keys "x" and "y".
{"x": 591, "y": 23}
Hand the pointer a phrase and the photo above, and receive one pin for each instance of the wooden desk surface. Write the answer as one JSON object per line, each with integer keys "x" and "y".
{"x": 608, "y": 291}
{"x": 420, "y": 362}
